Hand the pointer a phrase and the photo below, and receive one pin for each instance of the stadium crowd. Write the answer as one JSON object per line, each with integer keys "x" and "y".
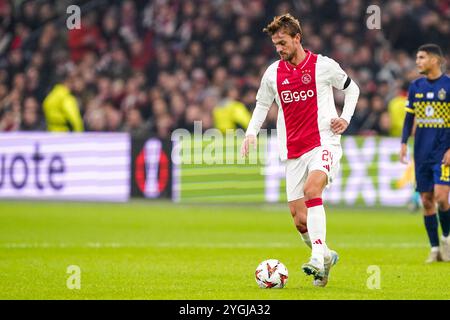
{"x": 147, "y": 67}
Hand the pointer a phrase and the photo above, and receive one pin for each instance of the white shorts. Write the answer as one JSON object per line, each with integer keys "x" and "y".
{"x": 323, "y": 158}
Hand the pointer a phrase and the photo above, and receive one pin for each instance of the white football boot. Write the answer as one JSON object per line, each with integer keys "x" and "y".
{"x": 434, "y": 256}
{"x": 328, "y": 263}
{"x": 313, "y": 268}
{"x": 445, "y": 248}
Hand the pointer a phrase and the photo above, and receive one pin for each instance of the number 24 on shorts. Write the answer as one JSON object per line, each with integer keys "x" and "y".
{"x": 327, "y": 157}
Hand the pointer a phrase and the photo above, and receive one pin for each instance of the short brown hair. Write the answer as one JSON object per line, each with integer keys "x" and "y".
{"x": 285, "y": 22}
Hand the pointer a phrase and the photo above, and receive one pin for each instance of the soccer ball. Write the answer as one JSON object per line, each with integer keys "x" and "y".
{"x": 271, "y": 274}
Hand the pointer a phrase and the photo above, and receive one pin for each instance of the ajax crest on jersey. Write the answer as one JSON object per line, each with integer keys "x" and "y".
{"x": 306, "y": 78}
{"x": 271, "y": 273}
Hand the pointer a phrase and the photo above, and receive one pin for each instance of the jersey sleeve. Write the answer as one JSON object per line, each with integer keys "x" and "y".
{"x": 408, "y": 123}
{"x": 409, "y": 107}
{"x": 338, "y": 78}
{"x": 264, "y": 99}
{"x": 265, "y": 94}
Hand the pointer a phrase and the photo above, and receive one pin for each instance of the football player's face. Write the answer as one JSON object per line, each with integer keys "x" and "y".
{"x": 285, "y": 45}
{"x": 424, "y": 62}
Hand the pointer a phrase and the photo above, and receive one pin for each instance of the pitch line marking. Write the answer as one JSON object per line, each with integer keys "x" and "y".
{"x": 222, "y": 245}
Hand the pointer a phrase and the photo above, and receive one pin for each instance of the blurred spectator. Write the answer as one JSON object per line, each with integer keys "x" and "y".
{"x": 403, "y": 31}
{"x": 230, "y": 113}
{"x": 177, "y": 110}
{"x": 96, "y": 120}
{"x": 113, "y": 117}
{"x": 371, "y": 124}
{"x": 10, "y": 120}
{"x": 85, "y": 39}
{"x": 140, "y": 57}
{"x": 169, "y": 61}
{"x": 384, "y": 124}
{"x": 396, "y": 109}
{"x": 193, "y": 113}
{"x": 362, "y": 111}
{"x": 164, "y": 126}
{"x": 31, "y": 117}
{"x": 61, "y": 107}
{"x": 135, "y": 124}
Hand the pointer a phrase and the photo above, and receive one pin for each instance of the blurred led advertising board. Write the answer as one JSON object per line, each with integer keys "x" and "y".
{"x": 113, "y": 167}
{"x": 369, "y": 173}
{"x": 151, "y": 168}
{"x": 62, "y": 166}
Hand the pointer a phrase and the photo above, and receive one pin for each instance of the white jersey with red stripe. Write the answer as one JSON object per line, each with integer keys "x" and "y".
{"x": 304, "y": 95}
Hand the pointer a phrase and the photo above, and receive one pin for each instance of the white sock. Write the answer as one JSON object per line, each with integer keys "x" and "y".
{"x": 316, "y": 222}
{"x": 306, "y": 239}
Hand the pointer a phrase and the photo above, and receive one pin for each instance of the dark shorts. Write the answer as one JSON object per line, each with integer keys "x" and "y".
{"x": 429, "y": 174}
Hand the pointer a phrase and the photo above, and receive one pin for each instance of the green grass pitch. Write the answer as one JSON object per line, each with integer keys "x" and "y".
{"x": 161, "y": 250}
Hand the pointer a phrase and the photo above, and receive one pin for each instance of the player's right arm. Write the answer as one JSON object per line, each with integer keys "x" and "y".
{"x": 408, "y": 124}
{"x": 264, "y": 99}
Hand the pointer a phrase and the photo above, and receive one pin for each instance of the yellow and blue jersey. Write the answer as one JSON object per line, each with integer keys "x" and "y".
{"x": 429, "y": 103}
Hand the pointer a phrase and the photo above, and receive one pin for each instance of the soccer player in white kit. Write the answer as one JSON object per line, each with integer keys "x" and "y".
{"x": 308, "y": 129}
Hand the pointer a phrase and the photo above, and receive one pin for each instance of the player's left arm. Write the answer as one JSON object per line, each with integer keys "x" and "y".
{"x": 340, "y": 80}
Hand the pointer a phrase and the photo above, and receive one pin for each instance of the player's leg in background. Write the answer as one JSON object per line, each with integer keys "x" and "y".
{"x": 425, "y": 185}
{"x": 299, "y": 211}
{"x": 441, "y": 194}
{"x": 431, "y": 225}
